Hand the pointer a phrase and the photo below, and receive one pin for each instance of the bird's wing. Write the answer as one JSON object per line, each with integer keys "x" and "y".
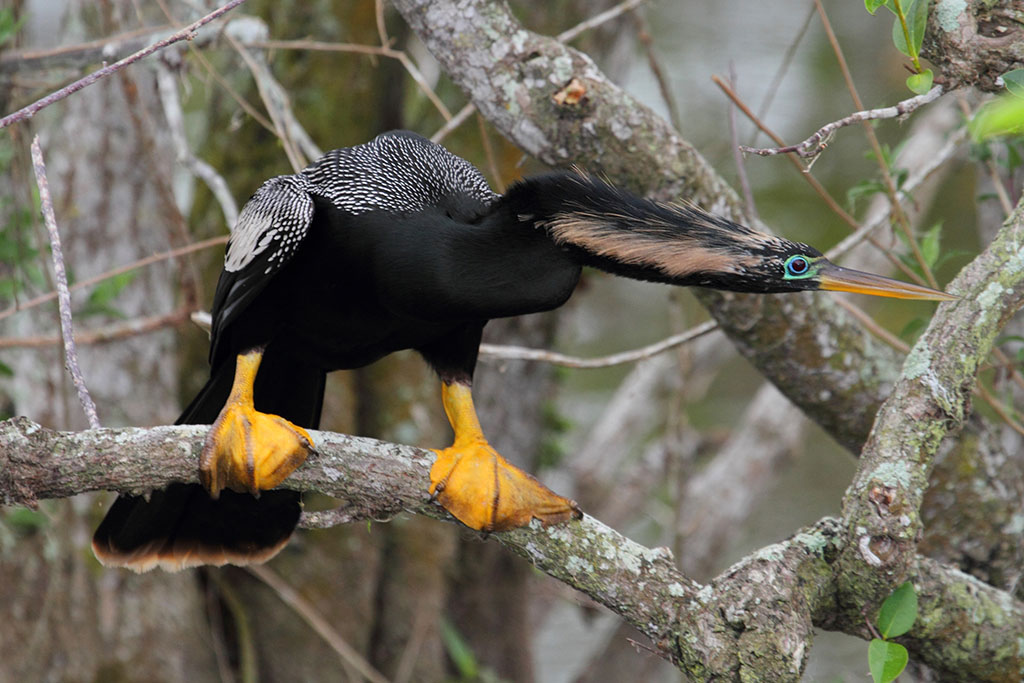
{"x": 270, "y": 229}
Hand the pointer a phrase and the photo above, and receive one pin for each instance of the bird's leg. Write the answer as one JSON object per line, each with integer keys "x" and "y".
{"x": 249, "y": 451}
{"x": 478, "y": 486}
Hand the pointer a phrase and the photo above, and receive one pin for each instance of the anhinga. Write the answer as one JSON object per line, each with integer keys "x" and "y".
{"x": 399, "y": 244}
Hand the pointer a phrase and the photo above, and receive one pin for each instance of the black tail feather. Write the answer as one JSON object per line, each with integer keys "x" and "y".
{"x": 182, "y": 526}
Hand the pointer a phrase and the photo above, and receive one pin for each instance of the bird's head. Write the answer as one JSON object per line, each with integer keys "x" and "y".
{"x": 761, "y": 263}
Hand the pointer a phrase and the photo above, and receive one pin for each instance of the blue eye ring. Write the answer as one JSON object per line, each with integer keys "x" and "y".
{"x": 798, "y": 266}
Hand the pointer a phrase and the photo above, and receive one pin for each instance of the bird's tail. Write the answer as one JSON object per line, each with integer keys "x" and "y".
{"x": 182, "y": 526}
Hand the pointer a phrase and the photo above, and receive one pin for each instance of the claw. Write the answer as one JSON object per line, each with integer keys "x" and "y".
{"x": 479, "y": 487}
{"x": 484, "y": 492}
{"x": 246, "y": 450}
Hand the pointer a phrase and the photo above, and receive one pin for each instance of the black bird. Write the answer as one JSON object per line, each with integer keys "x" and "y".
{"x": 398, "y": 244}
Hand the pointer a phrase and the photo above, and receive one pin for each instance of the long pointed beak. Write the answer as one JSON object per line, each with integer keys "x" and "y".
{"x": 837, "y": 279}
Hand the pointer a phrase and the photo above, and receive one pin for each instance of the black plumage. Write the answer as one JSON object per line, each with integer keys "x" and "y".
{"x": 398, "y": 244}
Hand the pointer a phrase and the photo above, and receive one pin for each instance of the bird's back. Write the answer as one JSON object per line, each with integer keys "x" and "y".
{"x": 399, "y": 173}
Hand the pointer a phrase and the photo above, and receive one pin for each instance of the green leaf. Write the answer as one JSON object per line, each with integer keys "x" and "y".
{"x": 458, "y": 651}
{"x": 898, "y": 39}
{"x": 6, "y": 370}
{"x": 25, "y": 521}
{"x": 899, "y": 176}
{"x": 107, "y": 290}
{"x": 100, "y": 301}
{"x": 886, "y": 660}
{"x": 1014, "y": 158}
{"x": 930, "y": 243}
{"x": 920, "y": 83}
{"x": 872, "y": 5}
{"x": 1014, "y": 81}
{"x": 9, "y": 26}
{"x": 917, "y": 23}
{"x": 912, "y": 329}
{"x": 864, "y": 188}
{"x": 899, "y": 611}
{"x": 916, "y": 14}
{"x": 1002, "y": 116}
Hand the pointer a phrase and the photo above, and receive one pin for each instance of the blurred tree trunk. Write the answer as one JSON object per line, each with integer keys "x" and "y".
{"x": 110, "y": 171}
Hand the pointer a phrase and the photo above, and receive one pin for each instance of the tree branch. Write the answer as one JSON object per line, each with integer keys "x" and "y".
{"x": 755, "y": 618}
{"x": 974, "y": 43}
{"x": 186, "y": 33}
{"x": 882, "y": 505}
{"x": 63, "y": 295}
{"x": 816, "y": 143}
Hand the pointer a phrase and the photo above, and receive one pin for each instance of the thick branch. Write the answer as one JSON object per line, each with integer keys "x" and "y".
{"x": 974, "y": 43}
{"x": 883, "y": 504}
{"x": 753, "y": 620}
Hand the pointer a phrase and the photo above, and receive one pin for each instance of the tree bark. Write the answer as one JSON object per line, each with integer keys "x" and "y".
{"x": 755, "y": 619}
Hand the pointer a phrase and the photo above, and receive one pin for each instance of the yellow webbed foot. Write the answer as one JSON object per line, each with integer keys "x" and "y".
{"x": 484, "y": 492}
{"x": 249, "y": 451}
{"x": 246, "y": 450}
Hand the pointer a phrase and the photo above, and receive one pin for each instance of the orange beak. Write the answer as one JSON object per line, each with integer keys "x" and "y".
{"x": 837, "y": 279}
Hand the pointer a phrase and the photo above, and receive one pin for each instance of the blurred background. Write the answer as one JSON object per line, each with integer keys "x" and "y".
{"x": 657, "y": 448}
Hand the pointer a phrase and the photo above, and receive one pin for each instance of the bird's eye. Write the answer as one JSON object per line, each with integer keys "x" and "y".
{"x": 797, "y": 266}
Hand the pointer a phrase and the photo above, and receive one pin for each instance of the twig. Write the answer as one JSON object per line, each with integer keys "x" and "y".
{"x": 379, "y": 51}
{"x": 199, "y": 168}
{"x": 901, "y": 15}
{"x": 102, "y": 335}
{"x": 492, "y": 161}
{"x": 833, "y": 205}
{"x": 873, "y": 327}
{"x": 312, "y": 617}
{"x": 243, "y": 636}
{"x": 246, "y": 106}
{"x": 186, "y": 33}
{"x": 382, "y": 27}
{"x": 597, "y": 20}
{"x": 787, "y": 60}
{"x": 741, "y": 169}
{"x": 63, "y": 295}
{"x": 505, "y": 352}
{"x": 899, "y": 214}
{"x": 76, "y": 56}
{"x": 149, "y": 260}
{"x": 453, "y": 123}
{"x": 275, "y": 99}
{"x": 501, "y": 352}
{"x": 815, "y": 144}
{"x": 919, "y": 175}
{"x": 644, "y": 36}
{"x": 829, "y": 200}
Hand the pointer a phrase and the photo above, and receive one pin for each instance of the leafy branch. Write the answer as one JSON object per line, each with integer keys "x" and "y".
{"x": 908, "y": 31}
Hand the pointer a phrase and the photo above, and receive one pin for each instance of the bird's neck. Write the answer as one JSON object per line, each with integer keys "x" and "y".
{"x": 616, "y": 231}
